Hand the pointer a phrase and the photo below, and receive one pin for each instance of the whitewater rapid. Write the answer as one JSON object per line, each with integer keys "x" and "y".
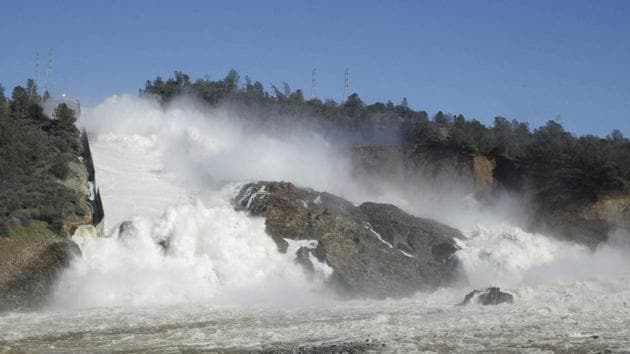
{"x": 221, "y": 284}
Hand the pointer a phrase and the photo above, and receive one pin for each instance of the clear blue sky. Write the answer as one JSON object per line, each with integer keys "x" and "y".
{"x": 526, "y": 60}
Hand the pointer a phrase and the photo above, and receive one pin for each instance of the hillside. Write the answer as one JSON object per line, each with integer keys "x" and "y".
{"x": 44, "y": 194}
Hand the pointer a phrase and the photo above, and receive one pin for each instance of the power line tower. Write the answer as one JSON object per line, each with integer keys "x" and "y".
{"x": 346, "y": 85}
{"x": 37, "y": 68}
{"x": 314, "y": 84}
{"x": 49, "y": 69}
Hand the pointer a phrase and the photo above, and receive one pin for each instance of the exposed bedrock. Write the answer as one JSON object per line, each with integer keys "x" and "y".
{"x": 437, "y": 168}
{"x": 29, "y": 265}
{"x": 376, "y": 250}
{"x": 585, "y": 221}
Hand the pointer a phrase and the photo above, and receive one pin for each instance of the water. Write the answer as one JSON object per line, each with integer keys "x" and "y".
{"x": 221, "y": 284}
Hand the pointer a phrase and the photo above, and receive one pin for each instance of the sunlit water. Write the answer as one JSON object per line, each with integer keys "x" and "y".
{"x": 222, "y": 285}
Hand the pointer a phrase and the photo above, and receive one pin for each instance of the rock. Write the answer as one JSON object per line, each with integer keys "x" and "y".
{"x": 363, "y": 265}
{"x": 126, "y": 229}
{"x": 29, "y": 266}
{"x": 290, "y": 212}
{"x": 589, "y": 221}
{"x": 303, "y": 257}
{"x": 440, "y": 167}
{"x": 375, "y": 250}
{"x": 490, "y": 296}
{"x": 423, "y": 238}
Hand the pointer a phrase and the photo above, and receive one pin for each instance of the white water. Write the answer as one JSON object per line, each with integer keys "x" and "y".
{"x": 222, "y": 284}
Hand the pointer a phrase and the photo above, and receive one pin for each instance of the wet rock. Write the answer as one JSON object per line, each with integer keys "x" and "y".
{"x": 290, "y": 212}
{"x": 25, "y": 281}
{"x": 374, "y": 249}
{"x": 303, "y": 257}
{"x": 126, "y": 229}
{"x": 490, "y": 296}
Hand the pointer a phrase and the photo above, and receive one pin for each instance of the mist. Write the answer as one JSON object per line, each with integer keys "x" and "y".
{"x": 204, "y": 147}
{"x": 197, "y": 150}
{"x": 207, "y": 147}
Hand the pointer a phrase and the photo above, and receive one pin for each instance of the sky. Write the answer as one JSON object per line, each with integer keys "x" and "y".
{"x": 526, "y": 60}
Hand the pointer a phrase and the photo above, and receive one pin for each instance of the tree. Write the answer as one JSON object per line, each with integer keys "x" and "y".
{"x": 3, "y": 103}
{"x": 353, "y": 106}
{"x": 60, "y": 167}
{"x": 616, "y": 136}
{"x": 2, "y": 98}
{"x": 65, "y": 117}
{"x": 19, "y": 104}
{"x": 231, "y": 81}
{"x": 440, "y": 118}
{"x": 31, "y": 88}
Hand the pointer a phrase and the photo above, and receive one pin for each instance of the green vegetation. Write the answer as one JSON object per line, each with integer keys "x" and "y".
{"x": 34, "y": 155}
{"x": 553, "y": 164}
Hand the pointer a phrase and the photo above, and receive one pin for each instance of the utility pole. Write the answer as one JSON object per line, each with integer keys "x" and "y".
{"x": 346, "y": 85}
{"x": 314, "y": 84}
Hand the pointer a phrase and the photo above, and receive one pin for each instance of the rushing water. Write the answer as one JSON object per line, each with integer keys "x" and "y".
{"x": 222, "y": 285}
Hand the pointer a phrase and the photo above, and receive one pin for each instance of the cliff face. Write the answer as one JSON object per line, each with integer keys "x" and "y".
{"x": 32, "y": 256}
{"x": 590, "y": 222}
{"x": 587, "y": 222}
{"x": 434, "y": 167}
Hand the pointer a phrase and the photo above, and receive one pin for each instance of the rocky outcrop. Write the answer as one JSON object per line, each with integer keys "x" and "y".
{"x": 434, "y": 167}
{"x": 31, "y": 256}
{"x": 490, "y": 296}
{"x": 77, "y": 181}
{"x": 374, "y": 249}
{"x": 585, "y": 221}
{"x": 29, "y": 264}
{"x": 590, "y": 222}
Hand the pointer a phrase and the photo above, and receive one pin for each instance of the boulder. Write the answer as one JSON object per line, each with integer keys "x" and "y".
{"x": 293, "y": 213}
{"x": 490, "y": 296}
{"x": 375, "y": 250}
{"x": 127, "y": 229}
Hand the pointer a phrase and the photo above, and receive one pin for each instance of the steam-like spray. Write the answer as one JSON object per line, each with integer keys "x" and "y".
{"x": 172, "y": 171}
{"x": 192, "y": 273}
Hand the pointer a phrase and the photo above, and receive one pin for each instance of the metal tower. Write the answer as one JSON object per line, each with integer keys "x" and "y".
{"x": 346, "y": 85}
{"x": 37, "y": 68}
{"x": 314, "y": 84}
{"x": 49, "y": 69}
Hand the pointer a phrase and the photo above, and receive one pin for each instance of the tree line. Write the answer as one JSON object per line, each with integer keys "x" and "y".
{"x": 554, "y": 163}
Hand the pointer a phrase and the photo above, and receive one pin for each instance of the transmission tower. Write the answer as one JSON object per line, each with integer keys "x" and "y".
{"x": 49, "y": 69}
{"x": 346, "y": 85}
{"x": 37, "y": 68}
{"x": 314, "y": 84}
